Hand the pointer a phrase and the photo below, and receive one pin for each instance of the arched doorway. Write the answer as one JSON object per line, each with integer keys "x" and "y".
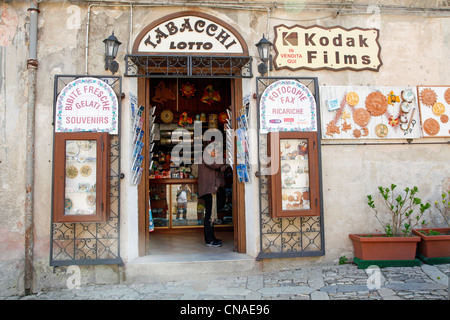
{"x": 185, "y": 48}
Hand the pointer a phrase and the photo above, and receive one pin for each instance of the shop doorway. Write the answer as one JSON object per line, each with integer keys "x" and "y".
{"x": 171, "y": 215}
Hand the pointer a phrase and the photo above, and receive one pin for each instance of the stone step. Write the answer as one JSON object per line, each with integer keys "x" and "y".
{"x": 175, "y": 267}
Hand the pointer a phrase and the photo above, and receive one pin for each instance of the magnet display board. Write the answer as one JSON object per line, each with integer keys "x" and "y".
{"x": 434, "y": 104}
{"x": 369, "y": 112}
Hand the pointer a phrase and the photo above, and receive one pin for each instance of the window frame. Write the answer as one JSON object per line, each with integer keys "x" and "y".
{"x": 102, "y": 177}
{"x": 275, "y": 183}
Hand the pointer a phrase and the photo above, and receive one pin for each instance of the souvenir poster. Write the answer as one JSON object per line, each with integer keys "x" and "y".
{"x": 366, "y": 112}
{"x": 434, "y": 104}
{"x": 243, "y": 167}
{"x": 137, "y": 143}
{"x": 133, "y": 106}
{"x": 151, "y": 225}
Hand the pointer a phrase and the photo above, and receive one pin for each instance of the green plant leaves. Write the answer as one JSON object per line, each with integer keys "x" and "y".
{"x": 401, "y": 209}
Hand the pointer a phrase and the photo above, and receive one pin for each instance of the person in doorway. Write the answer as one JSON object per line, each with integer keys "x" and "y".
{"x": 210, "y": 185}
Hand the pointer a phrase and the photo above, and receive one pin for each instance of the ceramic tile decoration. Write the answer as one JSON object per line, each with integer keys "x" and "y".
{"x": 434, "y": 104}
{"x": 367, "y": 112}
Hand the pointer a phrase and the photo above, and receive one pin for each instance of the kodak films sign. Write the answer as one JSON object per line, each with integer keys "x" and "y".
{"x": 333, "y": 48}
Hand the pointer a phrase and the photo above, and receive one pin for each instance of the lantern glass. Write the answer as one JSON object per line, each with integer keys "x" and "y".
{"x": 111, "y": 46}
{"x": 264, "y": 46}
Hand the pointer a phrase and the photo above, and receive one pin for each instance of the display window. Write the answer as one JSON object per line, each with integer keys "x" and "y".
{"x": 81, "y": 177}
{"x": 294, "y": 174}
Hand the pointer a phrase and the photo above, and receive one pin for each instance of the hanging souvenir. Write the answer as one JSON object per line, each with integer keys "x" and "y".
{"x": 392, "y": 98}
{"x": 184, "y": 119}
{"x": 393, "y": 122}
{"x": 166, "y": 116}
{"x": 210, "y": 95}
{"x": 162, "y": 94}
{"x": 212, "y": 121}
{"x": 223, "y": 117}
{"x": 188, "y": 90}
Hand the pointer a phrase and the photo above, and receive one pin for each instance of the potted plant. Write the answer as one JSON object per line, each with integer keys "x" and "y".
{"x": 397, "y": 242}
{"x": 435, "y": 242}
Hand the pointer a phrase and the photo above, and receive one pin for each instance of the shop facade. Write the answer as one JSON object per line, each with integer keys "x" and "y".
{"x": 108, "y": 192}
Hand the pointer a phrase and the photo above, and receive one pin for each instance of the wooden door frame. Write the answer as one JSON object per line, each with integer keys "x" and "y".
{"x": 238, "y": 189}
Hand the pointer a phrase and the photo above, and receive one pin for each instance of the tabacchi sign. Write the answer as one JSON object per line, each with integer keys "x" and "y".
{"x": 189, "y": 32}
{"x": 333, "y": 48}
{"x": 87, "y": 104}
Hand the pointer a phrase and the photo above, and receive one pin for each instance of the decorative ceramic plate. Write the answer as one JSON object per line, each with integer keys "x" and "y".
{"x": 72, "y": 149}
{"x": 428, "y": 97}
{"x": 447, "y": 95}
{"x": 408, "y": 95}
{"x": 352, "y": 98}
{"x": 90, "y": 200}
{"x": 438, "y": 109}
{"x": 85, "y": 171}
{"x": 68, "y": 204}
{"x": 404, "y": 126}
{"x": 376, "y": 103}
{"x": 406, "y": 106}
{"x": 381, "y": 130}
{"x": 286, "y": 168}
{"x": 361, "y": 117}
{"x": 85, "y": 145}
{"x": 83, "y": 186}
{"x": 166, "y": 116}
{"x": 71, "y": 172}
{"x": 431, "y": 127}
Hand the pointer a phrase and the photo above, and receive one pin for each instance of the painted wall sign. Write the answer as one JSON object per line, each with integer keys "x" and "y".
{"x": 287, "y": 105}
{"x": 189, "y": 33}
{"x": 87, "y": 104}
{"x": 334, "y": 48}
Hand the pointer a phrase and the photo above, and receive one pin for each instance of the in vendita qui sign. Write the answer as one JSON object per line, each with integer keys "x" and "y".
{"x": 87, "y": 104}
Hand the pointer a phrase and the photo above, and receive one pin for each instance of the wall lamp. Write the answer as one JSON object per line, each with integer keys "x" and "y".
{"x": 264, "y": 47}
{"x": 111, "y": 48}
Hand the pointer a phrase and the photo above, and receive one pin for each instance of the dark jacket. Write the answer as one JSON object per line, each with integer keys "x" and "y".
{"x": 210, "y": 178}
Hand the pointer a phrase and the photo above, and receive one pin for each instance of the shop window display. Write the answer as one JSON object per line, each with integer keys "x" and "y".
{"x": 81, "y": 177}
{"x": 188, "y": 114}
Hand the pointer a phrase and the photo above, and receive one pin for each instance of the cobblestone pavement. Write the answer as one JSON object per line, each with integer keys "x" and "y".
{"x": 340, "y": 282}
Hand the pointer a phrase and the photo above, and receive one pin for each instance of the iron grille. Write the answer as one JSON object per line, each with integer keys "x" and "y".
{"x": 286, "y": 237}
{"x": 188, "y": 66}
{"x": 91, "y": 243}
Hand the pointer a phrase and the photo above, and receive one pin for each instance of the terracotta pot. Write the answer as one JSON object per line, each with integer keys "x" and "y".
{"x": 381, "y": 247}
{"x": 433, "y": 246}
